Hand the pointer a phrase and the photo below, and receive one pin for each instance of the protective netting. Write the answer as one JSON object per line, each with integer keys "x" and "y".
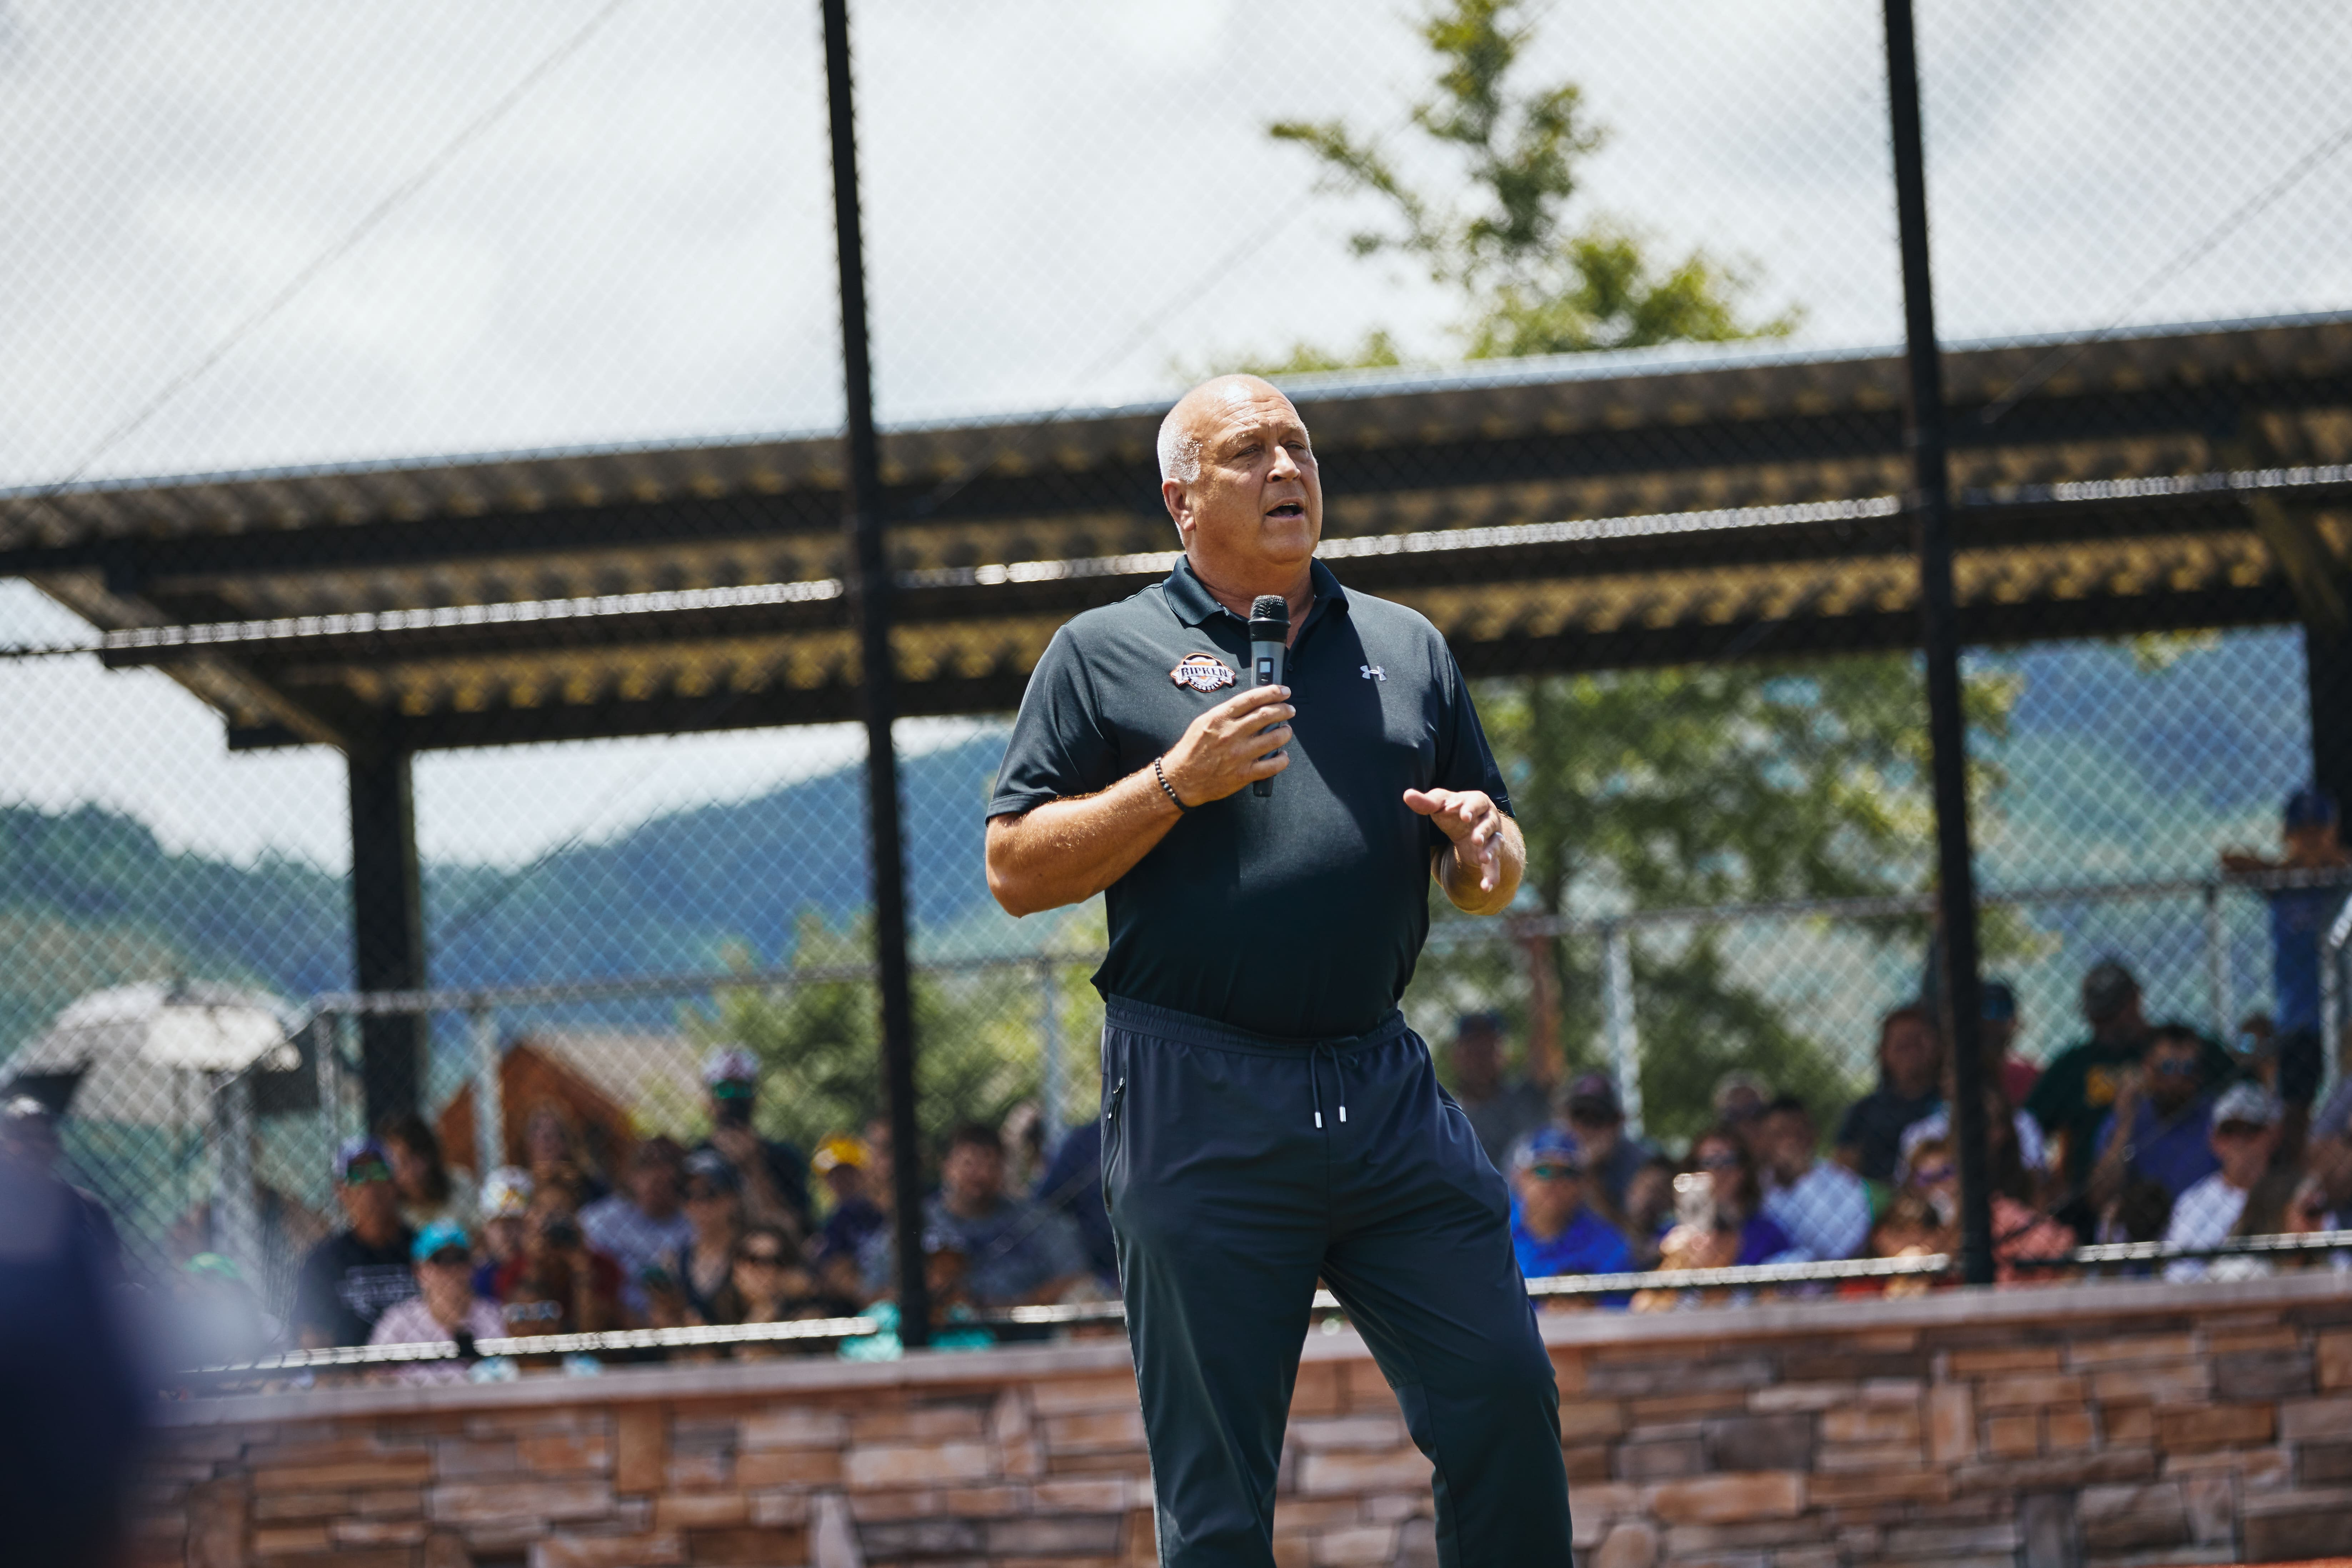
{"x": 503, "y": 345}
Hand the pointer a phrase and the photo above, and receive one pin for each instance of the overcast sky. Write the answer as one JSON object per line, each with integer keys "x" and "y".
{"x": 1066, "y": 200}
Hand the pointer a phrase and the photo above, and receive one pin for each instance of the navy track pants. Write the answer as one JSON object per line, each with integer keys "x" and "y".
{"x": 1237, "y": 1170}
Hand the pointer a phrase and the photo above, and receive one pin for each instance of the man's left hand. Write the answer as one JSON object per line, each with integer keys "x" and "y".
{"x": 1471, "y": 819}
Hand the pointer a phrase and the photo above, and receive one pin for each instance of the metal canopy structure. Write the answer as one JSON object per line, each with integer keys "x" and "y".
{"x": 1579, "y": 512}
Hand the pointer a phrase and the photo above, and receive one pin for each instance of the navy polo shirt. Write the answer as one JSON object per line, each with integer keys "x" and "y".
{"x": 1299, "y": 915}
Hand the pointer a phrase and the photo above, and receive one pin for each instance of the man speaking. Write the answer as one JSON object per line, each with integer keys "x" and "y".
{"x": 1267, "y": 1117}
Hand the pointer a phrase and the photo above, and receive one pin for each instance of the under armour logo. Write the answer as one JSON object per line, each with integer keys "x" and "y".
{"x": 1373, "y": 672}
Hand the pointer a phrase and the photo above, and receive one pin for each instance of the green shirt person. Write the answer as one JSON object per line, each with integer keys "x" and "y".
{"x": 2078, "y": 1088}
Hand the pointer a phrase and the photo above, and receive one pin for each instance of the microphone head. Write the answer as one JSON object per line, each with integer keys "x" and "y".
{"x": 1270, "y": 610}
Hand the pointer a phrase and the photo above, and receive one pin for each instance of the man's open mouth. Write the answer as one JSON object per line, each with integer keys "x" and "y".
{"x": 1286, "y": 509}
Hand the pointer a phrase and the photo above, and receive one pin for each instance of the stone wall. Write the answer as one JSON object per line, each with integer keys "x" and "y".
{"x": 2117, "y": 1424}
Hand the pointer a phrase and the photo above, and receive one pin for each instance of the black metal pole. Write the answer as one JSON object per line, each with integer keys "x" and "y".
{"x": 387, "y": 920}
{"x": 1931, "y": 504}
{"x": 869, "y": 589}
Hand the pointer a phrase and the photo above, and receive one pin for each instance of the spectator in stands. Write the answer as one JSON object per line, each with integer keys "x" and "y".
{"x": 1017, "y": 1252}
{"x": 348, "y": 1281}
{"x": 644, "y": 1224}
{"x": 559, "y": 1284}
{"x": 445, "y": 1306}
{"x": 30, "y": 1141}
{"x": 852, "y": 1215}
{"x": 1072, "y": 1186}
{"x": 1823, "y": 1207}
{"x": 429, "y": 1190}
{"x": 1597, "y": 1119}
{"x": 1552, "y": 1229}
{"x": 773, "y": 1173}
{"x": 714, "y": 1208}
{"x": 506, "y": 1225}
{"x": 1739, "y": 1099}
{"x": 2245, "y": 1124}
{"x": 2020, "y": 1231}
{"x": 1729, "y": 1229}
{"x": 2077, "y": 1091}
{"x": 2015, "y": 1138}
{"x": 1502, "y": 1108}
{"x": 767, "y": 1282}
{"x": 1910, "y": 1070}
{"x": 2328, "y": 1149}
{"x": 2312, "y": 843}
{"x": 1997, "y": 1033}
{"x": 555, "y": 1150}
{"x": 2159, "y": 1131}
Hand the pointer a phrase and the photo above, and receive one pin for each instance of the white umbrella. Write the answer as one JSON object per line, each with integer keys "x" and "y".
{"x": 140, "y": 1049}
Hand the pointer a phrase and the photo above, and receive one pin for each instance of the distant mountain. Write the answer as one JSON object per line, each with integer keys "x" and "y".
{"x": 2124, "y": 759}
{"x": 90, "y": 897}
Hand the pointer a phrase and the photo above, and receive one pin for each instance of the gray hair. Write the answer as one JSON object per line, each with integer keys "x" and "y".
{"x": 1180, "y": 451}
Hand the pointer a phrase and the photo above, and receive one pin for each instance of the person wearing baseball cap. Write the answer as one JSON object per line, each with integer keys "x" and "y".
{"x": 1596, "y": 1116}
{"x": 854, "y": 1217}
{"x": 1552, "y": 1230}
{"x": 1502, "y": 1108}
{"x": 773, "y": 1175}
{"x": 2312, "y": 845}
{"x": 2076, "y": 1092}
{"x": 348, "y": 1281}
{"x": 445, "y": 1306}
{"x": 2245, "y": 1132}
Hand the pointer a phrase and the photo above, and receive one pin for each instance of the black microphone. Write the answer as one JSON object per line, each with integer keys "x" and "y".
{"x": 1269, "y": 628}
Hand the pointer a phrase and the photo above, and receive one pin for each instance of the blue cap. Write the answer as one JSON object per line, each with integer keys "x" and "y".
{"x": 1547, "y": 1146}
{"x": 355, "y": 1149}
{"x": 441, "y": 1233}
{"x": 2312, "y": 807}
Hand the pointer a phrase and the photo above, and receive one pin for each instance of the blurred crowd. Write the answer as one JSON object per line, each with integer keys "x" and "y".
{"x": 2140, "y": 1130}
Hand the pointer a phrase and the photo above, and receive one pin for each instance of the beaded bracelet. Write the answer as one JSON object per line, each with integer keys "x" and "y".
{"x": 1168, "y": 789}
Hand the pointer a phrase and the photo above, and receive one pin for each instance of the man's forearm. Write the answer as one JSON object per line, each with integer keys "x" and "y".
{"x": 1068, "y": 850}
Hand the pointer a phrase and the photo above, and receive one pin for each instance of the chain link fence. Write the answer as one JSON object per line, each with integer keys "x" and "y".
{"x": 443, "y": 405}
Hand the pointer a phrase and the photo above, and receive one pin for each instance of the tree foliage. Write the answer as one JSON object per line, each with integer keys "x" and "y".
{"x": 1501, "y": 232}
{"x": 1648, "y": 788}
{"x": 819, "y": 1040}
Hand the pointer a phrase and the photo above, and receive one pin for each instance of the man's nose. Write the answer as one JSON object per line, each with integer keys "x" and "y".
{"x": 1285, "y": 467}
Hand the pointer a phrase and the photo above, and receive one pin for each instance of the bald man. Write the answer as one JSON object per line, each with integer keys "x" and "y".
{"x": 1268, "y": 1118}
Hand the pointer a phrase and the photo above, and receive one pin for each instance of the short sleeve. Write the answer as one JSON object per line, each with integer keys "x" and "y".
{"x": 1059, "y": 747}
{"x": 1465, "y": 760}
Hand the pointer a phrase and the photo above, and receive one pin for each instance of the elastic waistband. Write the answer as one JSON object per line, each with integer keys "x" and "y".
{"x": 1186, "y": 1028}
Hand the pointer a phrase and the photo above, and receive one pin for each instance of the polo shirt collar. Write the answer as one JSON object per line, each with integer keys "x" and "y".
{"x": 1195, "y": 605}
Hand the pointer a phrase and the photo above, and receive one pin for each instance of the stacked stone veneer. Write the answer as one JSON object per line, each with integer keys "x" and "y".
{"x": 2095, "y": 1424}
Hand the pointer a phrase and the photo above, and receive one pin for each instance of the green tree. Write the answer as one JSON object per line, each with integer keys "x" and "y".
{"x": 817, "y": 1040}
{"x": 1535, "y": 278}
{"x": 1649, "y": 788}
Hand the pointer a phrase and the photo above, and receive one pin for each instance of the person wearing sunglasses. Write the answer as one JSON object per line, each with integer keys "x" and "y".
{"x": 2020, "y": 1231}
{"x": 443, "y": 1307}
{"x": 1553, "y": 1231}
{"x": 347, "y": 1281}
{"x": 2157, "y": 1132}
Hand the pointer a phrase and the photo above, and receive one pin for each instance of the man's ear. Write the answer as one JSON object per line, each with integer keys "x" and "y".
{"x": 1180, "y": 508}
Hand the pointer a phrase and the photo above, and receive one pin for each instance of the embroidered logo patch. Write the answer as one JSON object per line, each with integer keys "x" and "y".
{"x": 1373, "y": 672}
{"x": 1202, "y": 672}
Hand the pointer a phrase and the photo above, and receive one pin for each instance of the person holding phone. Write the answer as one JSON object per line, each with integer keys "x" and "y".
{"x": 771, "y": 1174}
